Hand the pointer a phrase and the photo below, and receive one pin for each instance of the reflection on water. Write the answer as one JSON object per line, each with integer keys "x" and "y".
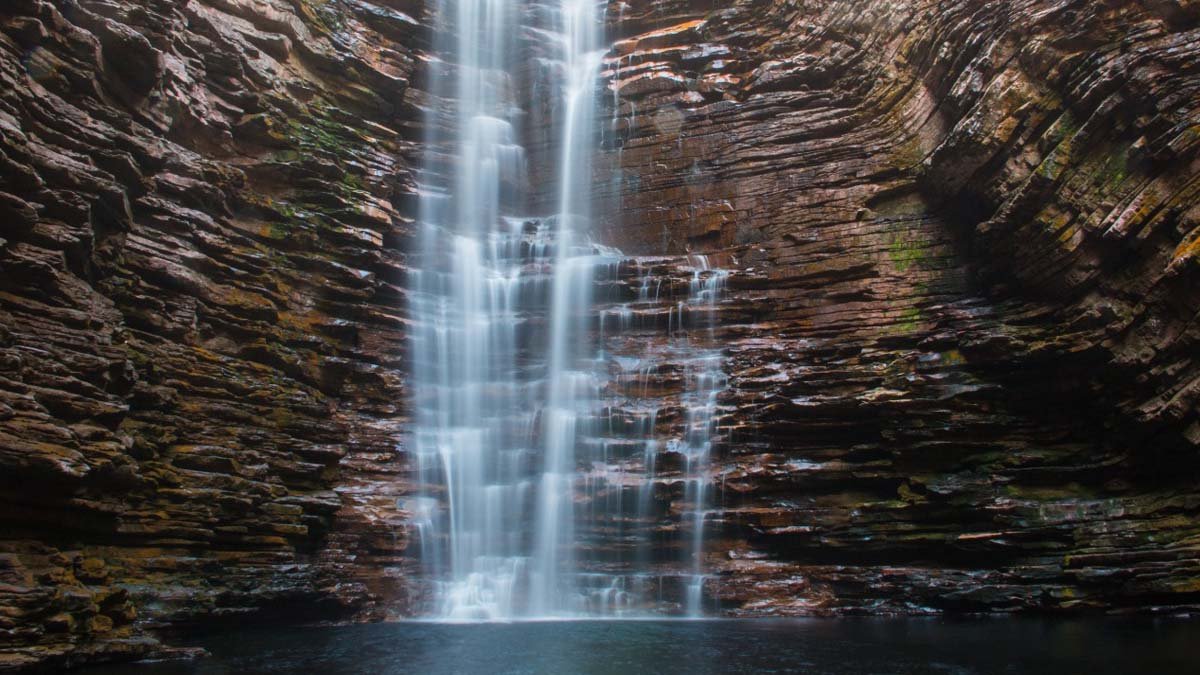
{"x": 842, "y": 646}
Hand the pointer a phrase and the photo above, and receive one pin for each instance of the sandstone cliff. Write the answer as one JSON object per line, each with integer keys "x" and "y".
{"x": 962, "y": 333}
{"x": 961, "y": 326}
{"x": 201, "y": 317}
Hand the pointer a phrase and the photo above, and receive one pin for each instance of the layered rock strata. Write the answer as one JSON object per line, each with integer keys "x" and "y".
{"x": 960, "y": 324}
{"x": 201, "y": 322}
{"x": 970, "y": 231}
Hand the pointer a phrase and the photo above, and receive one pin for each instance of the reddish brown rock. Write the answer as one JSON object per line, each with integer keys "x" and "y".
{"x": 201, "y": 317}
{"x": 966, "y": 227}
{"x": 960, "y": 327}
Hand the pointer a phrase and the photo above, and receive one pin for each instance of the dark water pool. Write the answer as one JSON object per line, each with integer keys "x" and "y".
{"x": 698, "y": 647}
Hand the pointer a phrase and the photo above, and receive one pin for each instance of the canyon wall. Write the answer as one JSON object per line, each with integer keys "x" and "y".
{"x": 201, "y": 321}
{"x": 960, "y": 326}
{"x": 961, "y": 331}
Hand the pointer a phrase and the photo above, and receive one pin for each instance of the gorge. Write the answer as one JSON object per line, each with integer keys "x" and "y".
{"x": 365, "y": 310}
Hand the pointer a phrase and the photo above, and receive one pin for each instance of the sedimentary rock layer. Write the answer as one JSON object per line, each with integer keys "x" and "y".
{"x": 201, "y": 327}
{"x": 960, "y": 325}
{"x": 970, "y": 231}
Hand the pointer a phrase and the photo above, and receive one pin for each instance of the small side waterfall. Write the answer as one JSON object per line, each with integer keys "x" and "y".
{"x": 539, "y": 409}
{"x": 706, "y": 381}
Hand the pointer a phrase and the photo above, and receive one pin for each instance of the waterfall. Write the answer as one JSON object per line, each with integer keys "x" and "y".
{"x": 465, "y": 305}
{"x": 706, "y": 381}
{"x": 569, "y": 390}
{"x": 524, "y": 451}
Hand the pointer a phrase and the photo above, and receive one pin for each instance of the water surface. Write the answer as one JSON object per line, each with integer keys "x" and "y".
{"x": 841, "y": 646}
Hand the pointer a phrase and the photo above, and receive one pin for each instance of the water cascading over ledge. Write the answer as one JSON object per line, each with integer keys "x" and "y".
{"x": 537, "y": 437}
{"x": 959, "y": 333}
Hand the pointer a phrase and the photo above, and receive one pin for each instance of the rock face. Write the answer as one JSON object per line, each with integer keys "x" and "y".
{"x": 201, "y": 327}
{"x": 969, "y": 234}
{"x": 960, "y": 325}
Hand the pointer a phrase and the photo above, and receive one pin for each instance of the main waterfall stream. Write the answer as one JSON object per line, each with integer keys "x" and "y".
{"x": 536, "y": 440}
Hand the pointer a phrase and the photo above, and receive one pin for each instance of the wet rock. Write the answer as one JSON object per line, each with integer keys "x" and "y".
{"x": 961, "y": 338}
{"x": 166, "y": 388}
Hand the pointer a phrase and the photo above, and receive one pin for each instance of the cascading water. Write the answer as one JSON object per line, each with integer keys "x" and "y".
{"x": 464, "y": 307}
{"x": 570, "y": 390}
{"x": 706, "y": 382}
{"x": 525, "y": 449}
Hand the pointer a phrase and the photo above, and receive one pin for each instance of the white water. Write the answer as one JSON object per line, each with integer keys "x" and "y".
{"x": 516, "y": 441}
{"x": 706, "y": 382}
